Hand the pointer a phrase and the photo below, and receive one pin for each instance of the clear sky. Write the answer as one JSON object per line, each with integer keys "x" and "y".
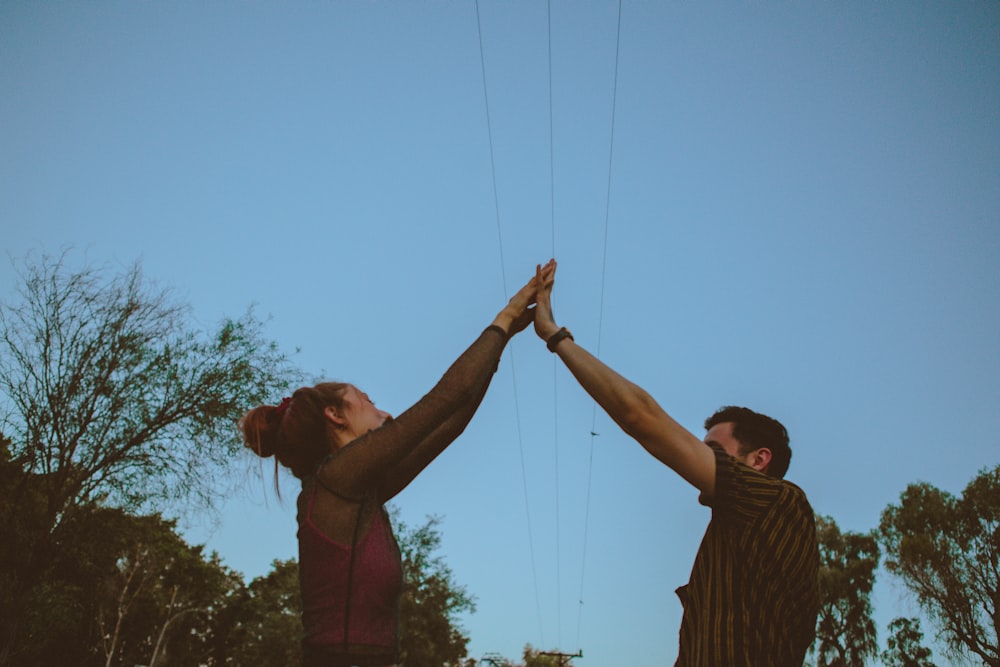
{"x": 803, "y": 217}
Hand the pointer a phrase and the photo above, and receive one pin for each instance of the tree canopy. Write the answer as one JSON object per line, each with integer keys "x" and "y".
{"x": 111, "y": 396}
{"x": 430, "y": 632}
{"x": 845, "y": 631}
{"x": 903, "y": 646}
{"x": 946, "y": 550}
{"x": 110, "y": 390}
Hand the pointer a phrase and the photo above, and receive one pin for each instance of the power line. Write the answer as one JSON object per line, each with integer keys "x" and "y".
{"x": 593, "y": 434}
{"x": 555, "y": 384}
{"x": 600, "y": 317}
{"x": 496, "y": 206}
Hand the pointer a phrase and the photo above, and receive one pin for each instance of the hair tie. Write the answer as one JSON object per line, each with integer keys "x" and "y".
{"x": 283, "y": 406}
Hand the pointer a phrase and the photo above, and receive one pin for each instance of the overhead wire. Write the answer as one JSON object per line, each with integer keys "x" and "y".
{"x": 600, "y": 318}
{"x": 503, "y": 275}
{"x": 555, "y": 384}
{"x": 600, "y": 325}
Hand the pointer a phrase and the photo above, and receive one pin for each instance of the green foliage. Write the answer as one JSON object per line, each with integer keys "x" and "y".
{"x": 262, "y": 624}
{"x": 109, "y": 392}
{"x": 109, "y": 398}
{"x": 904, "y": 649}
{"x": 845, "y": 631}
{"x": 535, "y": 658}
{"x": 121, "y": 590}
{"x": 946, "y": 550}
{"x": 430, "y": 635}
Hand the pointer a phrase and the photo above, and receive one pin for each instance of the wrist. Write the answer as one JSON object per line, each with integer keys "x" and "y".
{"x": 546, "y": 331}
{"x": 499, "y": 329}
{"x": 559, "y": 336}
{"x": 503, "y": 321}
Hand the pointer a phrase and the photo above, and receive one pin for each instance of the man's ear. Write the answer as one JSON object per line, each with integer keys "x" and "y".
{"x": 334, "y": 416}
{"x": 759, "y": 459}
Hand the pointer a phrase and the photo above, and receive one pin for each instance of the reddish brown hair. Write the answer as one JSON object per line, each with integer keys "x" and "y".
{"x": 298, "y": 436}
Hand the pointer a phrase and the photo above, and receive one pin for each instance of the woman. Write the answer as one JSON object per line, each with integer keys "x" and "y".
{"x": 352, "y": 458}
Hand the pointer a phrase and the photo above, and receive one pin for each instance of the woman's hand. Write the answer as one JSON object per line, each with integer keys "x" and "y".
{"x": 518, "y": 314}
{"x": 545, "y": 323}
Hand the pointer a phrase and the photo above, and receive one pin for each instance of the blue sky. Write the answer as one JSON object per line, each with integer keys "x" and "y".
{"x": 799, "y": 212}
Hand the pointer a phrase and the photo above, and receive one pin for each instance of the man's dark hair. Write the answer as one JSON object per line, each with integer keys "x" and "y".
{"x": 754, "y": 430}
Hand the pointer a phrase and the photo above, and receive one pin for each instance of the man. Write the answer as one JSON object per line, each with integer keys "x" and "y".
{"x": 753, "y": 595}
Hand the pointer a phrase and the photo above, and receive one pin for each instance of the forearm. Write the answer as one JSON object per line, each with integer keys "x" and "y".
{"x": 428, "y": 449}
{"x": 372, "y": 456}
{"x": 623, "y": 400}
{"x": 640, "y": 416}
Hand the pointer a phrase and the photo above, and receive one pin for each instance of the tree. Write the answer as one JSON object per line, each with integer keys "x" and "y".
{"x": 109, "y": 395}
{"x": 946, "y": 550}
{"x": 156, "y": 594}
{"x": 263, "y": 622}
{"x": 845, "y": 631}
{"x": 430, "y": 635}
{"x": 121, "y": 590}
{"x": 904, "y": 649}
{"x": 536, "y": 658}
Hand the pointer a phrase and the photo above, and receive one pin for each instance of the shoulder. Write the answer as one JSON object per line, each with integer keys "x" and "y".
{"x": 735, "y": 480}
{"x": 741, "y": 488}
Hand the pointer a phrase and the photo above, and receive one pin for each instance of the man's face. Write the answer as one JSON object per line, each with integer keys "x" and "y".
{"x": 721, "y": 435}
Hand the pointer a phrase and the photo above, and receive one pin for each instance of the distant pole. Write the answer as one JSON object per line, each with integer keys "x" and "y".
{"x": 564, "y": 658}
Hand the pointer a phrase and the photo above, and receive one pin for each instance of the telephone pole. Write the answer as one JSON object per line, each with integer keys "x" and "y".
{"x": 564, "y": 658}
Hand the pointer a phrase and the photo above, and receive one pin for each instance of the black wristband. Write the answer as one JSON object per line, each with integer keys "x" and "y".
{"x": 555, "y": 338}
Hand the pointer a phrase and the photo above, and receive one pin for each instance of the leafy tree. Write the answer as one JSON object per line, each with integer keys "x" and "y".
{"x": 430, "y": 635}
{"x": 162, "y": 595}
{"x": 122, "y": 590}
{"x": 263, "y": 623}
{"x": 904, "y": 649}
{"x": 845, "y": 631}
{"x": 110, "y": 396}
{"x": 946, "y": 550}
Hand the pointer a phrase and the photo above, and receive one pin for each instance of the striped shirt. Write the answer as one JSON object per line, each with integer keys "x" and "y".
{"x": 753, "y": 595}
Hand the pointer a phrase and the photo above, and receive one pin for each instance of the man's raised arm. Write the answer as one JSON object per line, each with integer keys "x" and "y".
{"x": 628, "y": 404}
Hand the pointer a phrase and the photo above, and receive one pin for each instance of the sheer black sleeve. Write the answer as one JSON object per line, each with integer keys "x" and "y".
{"x": 364, "y": 463}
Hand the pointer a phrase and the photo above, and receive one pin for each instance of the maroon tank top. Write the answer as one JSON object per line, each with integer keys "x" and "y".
{"x": 359, "y": 599}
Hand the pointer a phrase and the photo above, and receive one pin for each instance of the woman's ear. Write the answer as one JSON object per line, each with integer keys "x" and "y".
{"x": 334, "y": 416}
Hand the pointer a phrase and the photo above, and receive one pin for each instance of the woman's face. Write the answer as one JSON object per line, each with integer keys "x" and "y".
{"x": 359, "y": 414}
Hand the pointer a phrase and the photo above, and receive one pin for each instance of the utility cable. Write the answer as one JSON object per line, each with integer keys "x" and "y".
{"x": 496, "y": 206}
{"x": 600, "y": 316}
{"x": 555, "y": 392}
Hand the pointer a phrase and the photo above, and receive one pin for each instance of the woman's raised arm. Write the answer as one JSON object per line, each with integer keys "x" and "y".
{"x": 393, "y": 454}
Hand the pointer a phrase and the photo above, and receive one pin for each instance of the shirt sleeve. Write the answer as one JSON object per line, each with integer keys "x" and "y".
{"x": 353, "y": 469}
{"x": 742, "y": 493}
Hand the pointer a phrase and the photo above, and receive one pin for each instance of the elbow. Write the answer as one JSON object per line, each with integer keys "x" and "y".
{"x": 639, "y": 418}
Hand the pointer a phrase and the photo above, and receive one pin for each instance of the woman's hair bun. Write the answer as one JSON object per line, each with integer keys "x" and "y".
{"x": 259, "y": 428}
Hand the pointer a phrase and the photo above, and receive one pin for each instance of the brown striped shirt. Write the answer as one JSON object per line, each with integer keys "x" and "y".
{"x": 753, "y": 595}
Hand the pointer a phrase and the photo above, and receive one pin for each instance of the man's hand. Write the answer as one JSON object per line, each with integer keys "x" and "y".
{"x": 545, "y": 323}
{"x": 517, "y": 314}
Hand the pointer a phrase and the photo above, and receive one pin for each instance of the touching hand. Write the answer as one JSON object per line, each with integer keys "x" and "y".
{"x": 521, "y": 322}
{"x": 518, "y": 313}
{"x": 545, "y": 323}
